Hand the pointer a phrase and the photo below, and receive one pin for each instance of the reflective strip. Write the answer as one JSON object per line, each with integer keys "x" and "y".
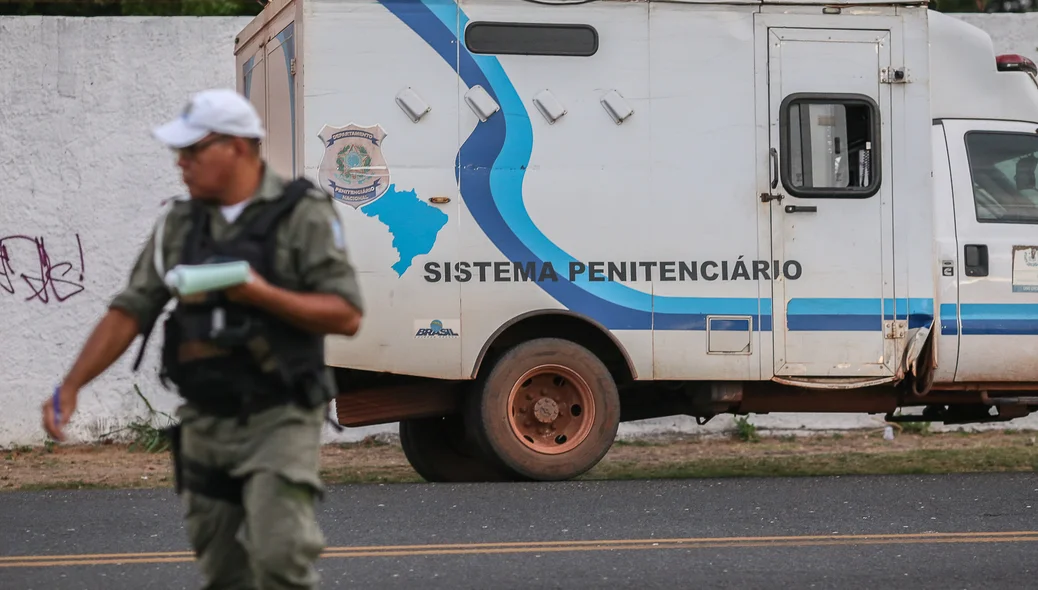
{"x": 160, "y": 228}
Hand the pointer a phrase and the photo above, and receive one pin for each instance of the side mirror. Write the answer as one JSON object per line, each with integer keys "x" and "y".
{"x": 1025, "y": 173}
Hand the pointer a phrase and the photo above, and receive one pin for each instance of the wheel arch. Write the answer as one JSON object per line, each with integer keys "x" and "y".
{"x": 558, "y": 323}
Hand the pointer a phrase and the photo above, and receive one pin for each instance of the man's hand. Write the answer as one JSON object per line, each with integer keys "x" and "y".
{"x": 105, "y": 345}
{"x": 66, "y": 406}
{"x": 252, "y": 292}
{"x": 321, "y": 313}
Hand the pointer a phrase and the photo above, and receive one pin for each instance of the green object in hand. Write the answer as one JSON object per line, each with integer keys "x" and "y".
{"x": 198, "y": 278}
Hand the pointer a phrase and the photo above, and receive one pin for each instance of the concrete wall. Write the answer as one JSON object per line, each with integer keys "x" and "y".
{"x": 81, "y": 180}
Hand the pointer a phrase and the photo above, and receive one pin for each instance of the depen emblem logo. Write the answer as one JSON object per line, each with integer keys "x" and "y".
{"x": 353, "y": 167}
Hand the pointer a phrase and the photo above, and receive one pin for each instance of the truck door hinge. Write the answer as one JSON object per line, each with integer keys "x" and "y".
{"x": 894, "y": 329}
{"x": 894, "y": 75}
{"x": 292, "y": 66}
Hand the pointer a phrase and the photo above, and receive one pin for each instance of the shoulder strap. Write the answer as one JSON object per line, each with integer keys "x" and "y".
{"x": 199, "y": 230}
{"x": 158, "y": 260}
{"x": 293, "y": 193}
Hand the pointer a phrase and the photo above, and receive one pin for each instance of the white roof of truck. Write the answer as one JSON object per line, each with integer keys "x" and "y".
{"x": 964, "y": 80}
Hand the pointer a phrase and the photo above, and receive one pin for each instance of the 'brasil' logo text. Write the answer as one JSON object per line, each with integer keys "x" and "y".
{"x": 436, "y": 330}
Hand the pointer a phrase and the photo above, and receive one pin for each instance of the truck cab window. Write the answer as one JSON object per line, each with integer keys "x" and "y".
{"x": 1002, "y": 167}
{"x": 830, "y": 146}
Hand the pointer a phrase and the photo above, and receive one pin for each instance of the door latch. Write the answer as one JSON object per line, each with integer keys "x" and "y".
{"x": 894, "y": 75}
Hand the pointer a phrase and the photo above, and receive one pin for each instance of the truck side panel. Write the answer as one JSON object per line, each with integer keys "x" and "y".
{"x": 561, "y": 199}
{"x": 267, "y": 77}
{"x": 281, "y": 149}
{"x": 915, "y": 271}
{"x": 252, "y": 74}
{"x": 393, "y": 171}
{"x": 649, "y": 224}
{"x": 703, "y": 208}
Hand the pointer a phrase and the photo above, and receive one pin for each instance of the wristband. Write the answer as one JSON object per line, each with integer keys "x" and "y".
{"x": 57, "y": 406}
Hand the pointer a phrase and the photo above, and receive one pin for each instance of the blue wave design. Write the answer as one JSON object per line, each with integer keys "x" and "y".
{"x": 491, "y": 167}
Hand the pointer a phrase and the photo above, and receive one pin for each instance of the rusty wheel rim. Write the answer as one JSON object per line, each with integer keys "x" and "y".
{"x": 551, "y": 409}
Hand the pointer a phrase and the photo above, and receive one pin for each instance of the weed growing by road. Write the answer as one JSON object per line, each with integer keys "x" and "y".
{"x": 143, "y": 434}
{"x": 745, "y": 431}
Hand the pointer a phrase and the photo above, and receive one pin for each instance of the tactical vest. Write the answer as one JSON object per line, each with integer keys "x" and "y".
{"x": 234, "y": 359}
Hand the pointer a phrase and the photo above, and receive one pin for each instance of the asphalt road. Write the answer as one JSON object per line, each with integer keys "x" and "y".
{"x": 947, "y": 532}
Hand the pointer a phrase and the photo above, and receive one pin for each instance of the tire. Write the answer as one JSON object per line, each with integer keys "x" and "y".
{"x": 438, "y": 450}
{"x": 525, "y": 412}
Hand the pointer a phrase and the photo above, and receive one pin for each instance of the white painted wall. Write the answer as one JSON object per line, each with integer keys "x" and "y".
{"x": 82, "y": 181}
{"x": 78, "y": 98}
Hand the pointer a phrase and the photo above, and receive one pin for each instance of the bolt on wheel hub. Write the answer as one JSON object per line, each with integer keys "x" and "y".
{"x": 546, "y": 410}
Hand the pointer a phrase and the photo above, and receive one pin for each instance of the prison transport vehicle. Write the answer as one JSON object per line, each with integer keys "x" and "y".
{"x": 565, "y": 217}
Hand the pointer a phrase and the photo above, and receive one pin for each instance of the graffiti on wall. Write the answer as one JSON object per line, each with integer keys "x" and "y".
{"x": 28, "y": 269}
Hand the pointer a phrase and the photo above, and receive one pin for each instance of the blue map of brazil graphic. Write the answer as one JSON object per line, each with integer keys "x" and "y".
{"x": 413, "y": 223}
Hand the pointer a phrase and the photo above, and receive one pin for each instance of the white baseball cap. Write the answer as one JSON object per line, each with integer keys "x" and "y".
{"x": 219, "y": 110}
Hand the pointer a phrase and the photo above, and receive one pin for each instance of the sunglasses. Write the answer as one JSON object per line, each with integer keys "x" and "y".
{"x": 193, "y": 150}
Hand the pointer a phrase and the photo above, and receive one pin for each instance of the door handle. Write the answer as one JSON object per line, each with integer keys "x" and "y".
{"x": 774, "y": 169}
{"x": 976, "y": 260}
{"x": 801, "y": 209}
{"x": 770, "y": 196}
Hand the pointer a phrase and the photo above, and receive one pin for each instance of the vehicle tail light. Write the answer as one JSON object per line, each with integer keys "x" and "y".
{"x": 1015, "y": 63}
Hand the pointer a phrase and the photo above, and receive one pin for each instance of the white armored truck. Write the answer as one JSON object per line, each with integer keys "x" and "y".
{"x": 565, "y": 216}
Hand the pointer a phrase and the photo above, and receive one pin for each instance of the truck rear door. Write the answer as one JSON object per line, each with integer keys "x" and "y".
{"x": 996, "y": 222}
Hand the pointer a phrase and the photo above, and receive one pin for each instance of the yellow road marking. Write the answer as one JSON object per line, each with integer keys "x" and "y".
{"x": 549, "y": 547}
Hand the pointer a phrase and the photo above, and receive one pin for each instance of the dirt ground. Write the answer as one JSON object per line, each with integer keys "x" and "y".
{"x": 122, "y": 466}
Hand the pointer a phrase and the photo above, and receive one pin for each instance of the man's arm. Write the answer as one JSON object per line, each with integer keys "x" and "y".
{"x": 109, "y": 340}
{"x": 137, "y": 305}
{"x": 331, "y": 302}
{"x": 321, "y": 313}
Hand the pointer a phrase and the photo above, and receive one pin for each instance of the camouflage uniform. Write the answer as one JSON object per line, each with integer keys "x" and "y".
{"x": 272, "y": 539}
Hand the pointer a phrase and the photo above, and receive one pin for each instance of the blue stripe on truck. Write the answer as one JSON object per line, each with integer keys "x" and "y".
{"x": 989, "y": 319}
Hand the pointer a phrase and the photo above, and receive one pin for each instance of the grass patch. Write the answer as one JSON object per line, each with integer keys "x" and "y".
{"x": 371, "y": 475}
{"x": 368, "y": 442}
{"x": 143, "y": 435}
{"x": 743, "y": 453}
{"x": 913, "y": 462}
{"x": 745, "y": 431}
{"x": 637, "y": 443}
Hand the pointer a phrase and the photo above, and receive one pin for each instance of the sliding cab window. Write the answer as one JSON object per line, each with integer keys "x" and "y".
{"x": 830, "y": 146}
{"x": 531, "y": 39}
{"x": 1002, "y": 167}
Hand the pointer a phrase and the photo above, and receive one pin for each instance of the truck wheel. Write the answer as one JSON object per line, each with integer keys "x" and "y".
{"x": 547, "y": 410}
{"x": 437, "y": 449}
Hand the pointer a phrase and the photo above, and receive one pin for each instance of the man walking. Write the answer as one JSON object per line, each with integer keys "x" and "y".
{"x": 248, "y": 360}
